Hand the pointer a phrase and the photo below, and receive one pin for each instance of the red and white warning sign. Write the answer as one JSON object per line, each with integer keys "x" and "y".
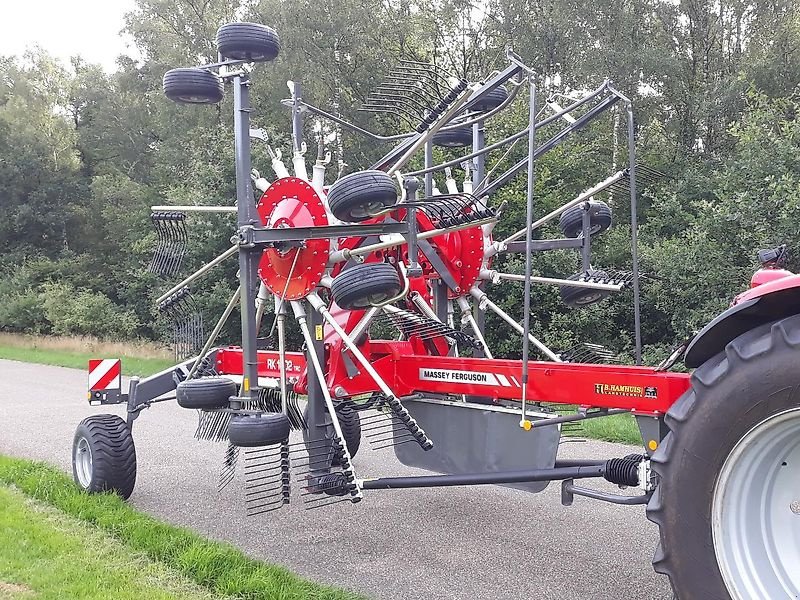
{"x": 105, "y": 374}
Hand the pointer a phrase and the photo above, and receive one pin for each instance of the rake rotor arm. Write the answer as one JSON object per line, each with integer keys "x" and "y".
{"x": 579, "y": 123}
{"x": 583, "y": 197}
{"x": 484, "y": 302}
{"x": 399, "y": 240}
{"x": 199, "y": 273}
{"x": 413, "y": 426}
{"x": 217, "y": 328}
{"x": 512, "y": 138}
{"x": 300, "y": 315}
{"x": 466, "y": 312}
{"x": 496, "y": 276}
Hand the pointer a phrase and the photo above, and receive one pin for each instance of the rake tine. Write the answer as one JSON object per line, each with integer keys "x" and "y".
{"x": 270, "y": 470}
{"x": 393, "y": 445}
{"x": 279, "y": 501}
{"x": 264, "y": 488}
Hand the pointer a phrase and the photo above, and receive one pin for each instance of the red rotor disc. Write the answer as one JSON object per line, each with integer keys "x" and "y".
{"x": 464, "y": 251}
{"x": 290, "y": 271}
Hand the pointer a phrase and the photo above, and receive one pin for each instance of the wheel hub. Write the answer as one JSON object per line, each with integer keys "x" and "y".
{"x": 756, "y": 511}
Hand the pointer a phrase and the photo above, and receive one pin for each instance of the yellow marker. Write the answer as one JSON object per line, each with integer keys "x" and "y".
{"x": 652, "y": 444}
{"x": 246, "y": 384}
{"x": 526, "y": 425}
{"x": 318, "y": 331}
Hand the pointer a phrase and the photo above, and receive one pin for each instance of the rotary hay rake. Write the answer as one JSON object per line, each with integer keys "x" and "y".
{"x": 382, "y": 249}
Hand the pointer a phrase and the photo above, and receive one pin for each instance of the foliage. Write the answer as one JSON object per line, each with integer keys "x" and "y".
{"x": 84, "y": 153}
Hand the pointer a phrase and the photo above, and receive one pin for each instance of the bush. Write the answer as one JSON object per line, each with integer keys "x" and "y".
{"x": 81, "y": 312}
{"x": 23, "y": 312}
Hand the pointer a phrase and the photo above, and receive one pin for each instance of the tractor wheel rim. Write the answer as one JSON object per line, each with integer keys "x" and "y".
{"x": 83, "y": 463}
{"x": 756, "y": 511}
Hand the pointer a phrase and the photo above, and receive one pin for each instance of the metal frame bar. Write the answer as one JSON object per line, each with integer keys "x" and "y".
{"x": 428, "y": 481}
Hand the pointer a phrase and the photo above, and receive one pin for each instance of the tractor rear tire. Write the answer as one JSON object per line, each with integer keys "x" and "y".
{"x": 252, "y": 42}
{"x": 492, "y": 100}
{"x": 206, "y": 393}
{"x": 104, "y": 456}
{"x": 580, "y": 296}
{"x": 362, "y": 286}
{"x": 193, "y": 86}
{"x": 727, "y": 504}
{"x": 261, "y": 429}
{"x": 453, "y": 138}
{"x": 571, "y": 220}
{"x": 360, "y": 196}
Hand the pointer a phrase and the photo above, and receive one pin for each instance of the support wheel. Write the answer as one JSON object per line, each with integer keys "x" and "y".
{"x": 252, "y": 42}
{"x": 261, "y": 429}
{"x": 454, "y": 138}
{"x": 360, "y": 196}
{"x": 206, "y": 393}
{"x": 492, "y": 100}
{"x": 350, "y": 422}
{"x": 580, "y": 296}
{"x": 571, "y": 221}
{"x": 728, "y": 502}
{"x": 362, "y": 286}
{"x": 193, "y": 86}
{"x": 103, "y": 456}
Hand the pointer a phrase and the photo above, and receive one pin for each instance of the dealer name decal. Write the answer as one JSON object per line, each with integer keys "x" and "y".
{"x": 633, "y": 391}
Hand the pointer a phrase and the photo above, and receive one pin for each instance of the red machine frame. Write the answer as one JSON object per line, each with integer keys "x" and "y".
{"x": 641, "y": 390}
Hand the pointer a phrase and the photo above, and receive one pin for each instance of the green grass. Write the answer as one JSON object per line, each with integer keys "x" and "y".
{"x": 218, "y": 567}
{"x": 613, "y": 428}
{"x": 131, "y": 365}
{"x": 47, "y": 555}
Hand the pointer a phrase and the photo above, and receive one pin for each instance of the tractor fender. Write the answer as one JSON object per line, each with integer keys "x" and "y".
{"x": 768, "y": 302}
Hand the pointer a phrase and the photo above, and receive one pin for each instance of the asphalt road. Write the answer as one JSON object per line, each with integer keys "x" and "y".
{"x": 471, "y": 543}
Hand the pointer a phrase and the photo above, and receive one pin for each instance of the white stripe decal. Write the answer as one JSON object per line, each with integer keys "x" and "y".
{"x": 101, "y": 370}
{"x": 516, "y": 381}
{"x": 503, "y": 380}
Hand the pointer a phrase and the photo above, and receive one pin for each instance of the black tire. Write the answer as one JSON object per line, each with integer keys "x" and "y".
{"x": 577, "y": 296}
{"x": 261, "y": 429}
{"x": 492, "y": 100}
{"x": 362, "y": 286}
{"x": 755, "y": 377}
{"x": 193, "y": 86}
{"x": 205, "y": 393}
{"x": 453, "y": 138}
{"x": 359, "y": 196}
{"x": 350, "y": 422}
{"x": 111, "y": 464}
{"x": 248, "y": 41}
{"x": 600, "y": 219}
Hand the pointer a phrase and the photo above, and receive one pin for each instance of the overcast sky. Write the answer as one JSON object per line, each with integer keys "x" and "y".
{"x": 65, "y": 28}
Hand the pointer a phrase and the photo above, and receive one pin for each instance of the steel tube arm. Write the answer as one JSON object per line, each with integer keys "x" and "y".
{"x": 577, "y": 200}
{"x": 555, "y": 474}
{"x": 489, "y": 189}
{"x": 201, "y": 271}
